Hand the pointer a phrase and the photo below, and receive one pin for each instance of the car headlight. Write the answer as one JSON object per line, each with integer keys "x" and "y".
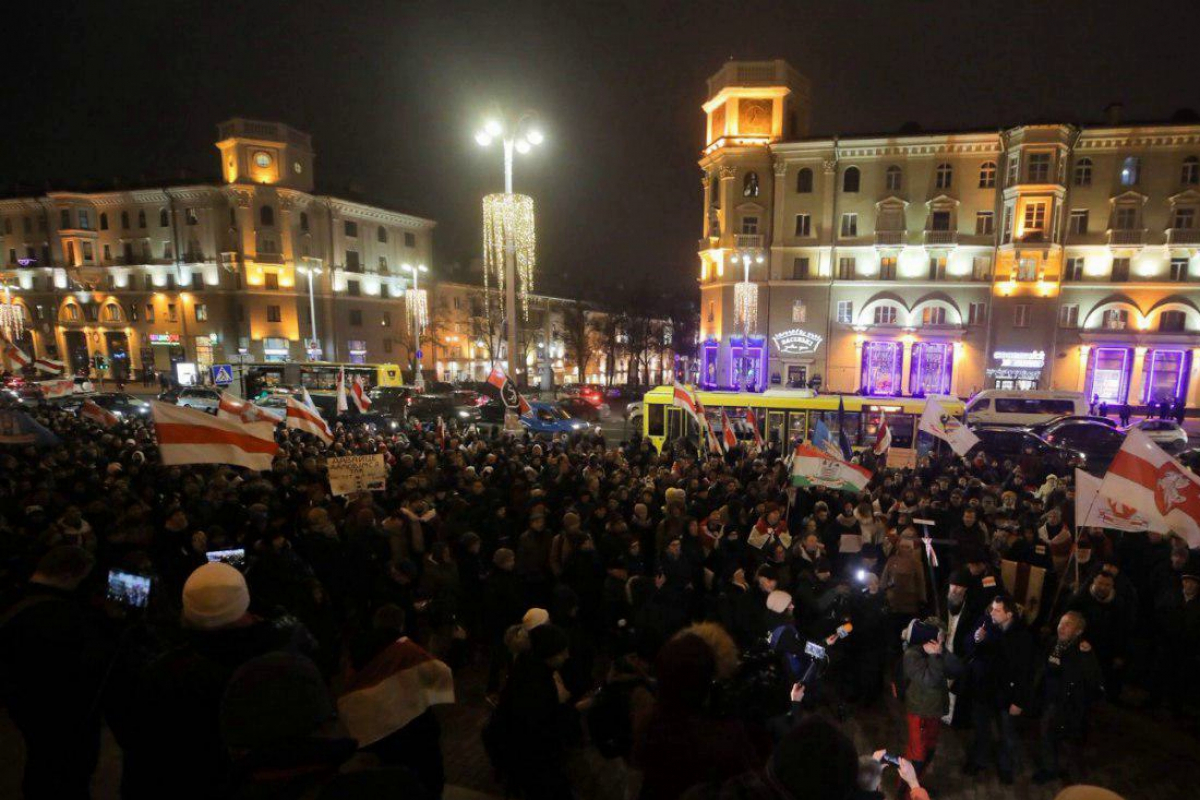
{"x": 578, "y": 425}
{"x": 464, "y": 414}
{"x": 393, "y": 424}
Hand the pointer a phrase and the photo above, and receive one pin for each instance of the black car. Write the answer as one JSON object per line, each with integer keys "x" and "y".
{"x": 1040, "y": 427}
{"x": 391, "y": 399}
{"x": 428, "y": 407}
{"x": 1010, "y": 443}
{"x": 120, "y": 403}
{"x": 1088, "y": 444}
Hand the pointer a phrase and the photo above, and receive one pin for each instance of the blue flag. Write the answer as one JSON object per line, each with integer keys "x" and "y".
{"x": 18, "y": 428}
{"x": 843, "y": 439}
{"x": 822, "y": 439}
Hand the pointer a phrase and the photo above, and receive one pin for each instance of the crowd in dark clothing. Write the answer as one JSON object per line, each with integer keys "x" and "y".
{"x": 666, "y": 608}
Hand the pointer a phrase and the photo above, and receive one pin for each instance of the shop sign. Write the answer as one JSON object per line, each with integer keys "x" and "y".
{"x": 1014, "y": 374}
{"x": 164, "y": 338}
{"x": 1020, "y": 359}
{"x": 797, "y": 341}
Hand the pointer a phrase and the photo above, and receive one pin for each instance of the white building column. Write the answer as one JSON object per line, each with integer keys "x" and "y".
{"x": 1193, "y": 389}
{"x": 1085, "y": 351}
{"x": 1135, "y": 377}
{"x": 858, "y": 357}
{"x": 906, "y": 364}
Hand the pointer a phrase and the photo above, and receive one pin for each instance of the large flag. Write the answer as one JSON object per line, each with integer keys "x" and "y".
{"x": 188, "y": 436}
{"x": 1092, "y": 510}
{"x": 101, "y": 416}
{"x": 358, "y": 396}
{"x": 943, "y": 425}
{"x": 307, "y": 398}
{"x": 55, "y": 389}
{"x": 883, "y": 438}
{"x": 394, "y": 688}
{"x": 231, "y": 407}
{"x": 843, "y": 439}
{"x": 18, "y": 428}
{"x": 1025, "y": 583}
{"x": 727, "y": 431}
{"x": 822, "y": 440}
{"x": 813, "y": 467}
{"x": 1146, "y": 479}
{"x": 50, "y": 366}
{"x": 306, "y": 418}
{"x": 508, "y": 391}
{"x": 16, "y": 355}
{"x": 752, "y": 421}
{"x": 706, "y": 428}
{"x": 342, "y": 405}
{"x": 684, "y": 397}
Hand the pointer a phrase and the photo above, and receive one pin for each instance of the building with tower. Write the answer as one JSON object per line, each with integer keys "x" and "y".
{"x": 1039, "y": 256}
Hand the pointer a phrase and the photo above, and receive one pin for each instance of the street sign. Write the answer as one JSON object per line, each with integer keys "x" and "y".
{"x": 222, "y": 374}
{"x": 241, "y": 358}
{"x": 420, "y": 355}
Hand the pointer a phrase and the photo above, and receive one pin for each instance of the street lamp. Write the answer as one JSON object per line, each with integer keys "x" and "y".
{"x": 311, "y": 269}
{"x": 745, "y": 305}
{"x": 417, "y": 309}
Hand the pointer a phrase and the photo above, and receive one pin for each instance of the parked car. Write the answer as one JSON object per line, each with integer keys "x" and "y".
{"x": 549, "y": 419}
{"x": 428, "y": 407}
{"x": 1085, "y": 443}
{"x": 1033, "y": 407}
{"x": 119, "y": 403}
{"x": 393, "y": 399}
{"x": 199, "y": 397}
{"x": 1009, "y": 443}
{"x": 1167, "y": 433}
{"x": 583, "y": 408}
{"x": 1044, "y": 426}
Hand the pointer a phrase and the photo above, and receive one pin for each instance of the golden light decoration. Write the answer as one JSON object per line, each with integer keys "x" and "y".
{"x": 745, "y": 304}
{"x": 416, "y": 308}
{"x": 508, "y": 222}
{"x": 12, "y": 317}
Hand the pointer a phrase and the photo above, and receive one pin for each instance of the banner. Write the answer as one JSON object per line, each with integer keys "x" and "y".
{"x": 813, "y": 467}
{"x": 1145, "y": 478}
{"x": 1094, "y": 511}
{"x": 350, "y": 474}
{"x": 938, "y": 422}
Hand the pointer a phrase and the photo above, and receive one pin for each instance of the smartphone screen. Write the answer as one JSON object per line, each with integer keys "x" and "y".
{"x": 235, "y": 558}
{"x": 128, "y": 589}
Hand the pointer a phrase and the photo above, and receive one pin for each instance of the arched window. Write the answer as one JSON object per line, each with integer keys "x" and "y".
{"x": 885, "y": 315}
{"x": 895, "y": 178}
{"x": 750, "y": 185}
{"x": 103, "y": 221}
{"x": 112, "y": 313}
{"x": 124, "y": 220}
{"x": 1083, "y": 172}
{"x": 850, "y": 179}
{"x": 944, "y": 176}
{"x": 163, "y": 219}
{"x": 987, "y": 175}
{"x": 304, "y": 221}
{"x": 72, "y": 312}
{"x": 266, "y": 216}
{"x": 382, "y": 234}
{"x": 1130, "y": 167}
{"x": 1190, "y": 174}
{"x": 804, "y": 181}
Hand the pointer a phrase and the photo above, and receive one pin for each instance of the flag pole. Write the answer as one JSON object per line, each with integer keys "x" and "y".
{"x": 930, "y": 558}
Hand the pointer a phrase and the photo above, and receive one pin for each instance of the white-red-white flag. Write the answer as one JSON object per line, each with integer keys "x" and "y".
{"x": 1094, "y": 511}
{"x": 305, "y": 418}
{"x": 16, "y": 355}
{"x": 342, "y": 405}
{"x": 189, "y": 436}
{"x": 727, "y": 431}
{"x": 883, "y": 438}
{"x": 52, "y": 390}
{"x": 393, "y": 689}
{"x": 685, "y": 397}
{"x": 101, "y": 416}
{"x": 231, "y": 407}
{"x": 50, "y": 366}
{"x": 358, "y": 396}
{"x": 1144, "y": 478}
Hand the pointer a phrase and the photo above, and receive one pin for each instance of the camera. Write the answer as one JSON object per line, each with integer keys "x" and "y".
{"x": 890, "y": 758}
{"x": 128, "y": 589}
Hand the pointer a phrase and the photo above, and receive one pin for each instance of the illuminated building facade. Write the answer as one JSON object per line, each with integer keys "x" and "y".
{"x": 203, "y": 272}
{"x": 1042, "y": 256}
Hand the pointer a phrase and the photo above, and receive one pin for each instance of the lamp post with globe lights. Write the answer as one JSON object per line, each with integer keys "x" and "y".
{"x": 312, "y": 268}
{"x": 416, "y": 306}
{"x": 745, "y": 305}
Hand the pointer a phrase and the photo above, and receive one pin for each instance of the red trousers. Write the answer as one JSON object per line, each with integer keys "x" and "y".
{"x": 922, "y": 739}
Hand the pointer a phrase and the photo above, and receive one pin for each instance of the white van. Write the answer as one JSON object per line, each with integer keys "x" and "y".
{"x": 1029, "y": 407}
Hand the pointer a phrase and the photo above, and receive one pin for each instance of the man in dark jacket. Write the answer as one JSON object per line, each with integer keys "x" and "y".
{"x": 503, "y": 605}
{"x": 1001, "y": 671}
{"x": 53, "y": 660}
{"x": 1110, "y": 622}
{"x": 1069, "y": 680}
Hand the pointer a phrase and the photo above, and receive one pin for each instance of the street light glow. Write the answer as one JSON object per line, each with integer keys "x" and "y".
{"x": 523, "y": 146}
{"x": 535, "y": 136}
{"x": 493, "y": 127}
{"x": 483, "y": 138}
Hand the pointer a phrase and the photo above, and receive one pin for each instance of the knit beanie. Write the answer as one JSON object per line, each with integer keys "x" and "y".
{"x": 815, "y": 760}
{"x": 274, "y": 698}
{"x": 214, "y": 596}
{"x": 534, "y": 618}
{"x": 778, "y": 601}
{"x": 1083, "y": 792}
{"x": 547, "y": 641}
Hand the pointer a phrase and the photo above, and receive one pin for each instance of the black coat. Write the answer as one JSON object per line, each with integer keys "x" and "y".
{"x": 1002, "y": 666}
{"x": 503, "y": 603}
{"x": 1068, "y": 688}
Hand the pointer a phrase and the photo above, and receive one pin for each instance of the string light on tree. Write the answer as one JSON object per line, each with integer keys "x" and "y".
{"x": 745, "y": 304}
{"x": 12, "y": 316}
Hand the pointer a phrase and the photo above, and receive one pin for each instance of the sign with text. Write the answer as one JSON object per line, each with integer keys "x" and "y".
{"x": 350, "y": 474}
{"x": 164, "y": 338}
{"x": 901, "y": 458}
{"x": 797, "y": 341}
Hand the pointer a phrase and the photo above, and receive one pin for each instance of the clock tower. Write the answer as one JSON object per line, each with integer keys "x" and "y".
{"x": 265, "y": 153}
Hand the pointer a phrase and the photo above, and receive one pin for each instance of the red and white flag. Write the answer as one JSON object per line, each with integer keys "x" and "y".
{"x": 342, "y": 405}
{"x": 508, "y": 391}
{"x": 101, "y": 416}
{"x": 16, "y": 355}
{"x": 710, "y": 433}
{"x": 49, "y": 366}
{"x": 752, "y": 421}
{"x": 1144, "y": 478}
{"x": 685, "y": 397}
{"x": 358, "y": 396}
{"x": 231, "y": 407}
{"x": 188, "y": 436}
{"x": 441, "y": 433}
{"x": 883, "y": 438}
{"x": 727, "y": 431}
{"x": 394, "y": 688}
{"x": 55, "y": 389}
{"x": 1094, "y": 511}
{"x": 307, "y": 419}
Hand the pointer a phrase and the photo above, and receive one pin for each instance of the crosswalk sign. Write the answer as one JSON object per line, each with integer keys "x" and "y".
{"x": 222, "y": 374}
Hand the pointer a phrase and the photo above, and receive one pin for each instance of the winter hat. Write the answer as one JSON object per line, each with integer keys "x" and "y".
{"x": 547, "y": 641}
{"x": 1082, "y": 792}
{"x": 535, "y": 618}
{"x": 570, "y": 520}
{"x": 778, "y": 601}
{"x": 274, "y": 698}
{"x": 214, "y": 596}
{"x": 504, "y": 558}
{"x": 815, "y": 760}
{"x": 676, "y": 496}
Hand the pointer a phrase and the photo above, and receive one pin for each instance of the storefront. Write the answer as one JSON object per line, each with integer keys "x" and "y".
{"x": 794, "y": 361}
{"x": 1139, "y": 375}
{"x": 119, "y": 367}
{"x": 882, "y": 368}
{"x": 1166, "y": 374}
{"x": 748, "y": 363}
{"x": 168, "y": 351}
{"x": 1019, "y": 370}
{"x": 931, "y": 368}
{"x": 78, "y": 360}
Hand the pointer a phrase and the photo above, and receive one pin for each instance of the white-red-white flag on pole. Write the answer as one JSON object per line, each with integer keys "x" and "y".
{"x": 16, "y": 355}
{"x": 752, "y": 421}
{"x": 55, "y": 389}
{"x": 883, "y": 438}
{"x": 188, "y": 436}
{"x": 1143, "y": 477}
{"x": 231, "y": 407}
{"x": 727, "y": 431}
{"x": 50, "y": 366}
{"x": 358, "y": 395}
{"x": 441, "y": 433}
{"x": 685, "y": 397}
{"x": 342, "y": 405}
{"x": 305, "y": 418}
{"x": 101, "y": 416}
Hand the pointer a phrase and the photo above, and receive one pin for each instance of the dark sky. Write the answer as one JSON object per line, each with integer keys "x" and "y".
{"x": 393, "y": 91}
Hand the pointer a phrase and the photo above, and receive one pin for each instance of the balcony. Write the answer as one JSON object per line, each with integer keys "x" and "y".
{"x": 268, "y": 258}
{"x": 941, "y": 238}
{"x": 748, "y": 240}
{"x": 707, "y": 243}
{"x": 889, "y": 238}
{"x": 1177, "y": 236}
{"x": 1127, "y": 238}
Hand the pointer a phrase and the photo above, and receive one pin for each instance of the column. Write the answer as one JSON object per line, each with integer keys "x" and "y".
{"x": 1084, "y": 351}
{"x": 956, "y": 361}
{"x": 1193, "y": 387}
{"x": 906, "y": 365}
{"x": 1135, "y": 378}
{"x": 858, "y": 365}
{"x": 778, "y": 229}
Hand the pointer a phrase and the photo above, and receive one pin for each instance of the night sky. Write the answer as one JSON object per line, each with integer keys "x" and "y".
{"x": 393, "y": 91}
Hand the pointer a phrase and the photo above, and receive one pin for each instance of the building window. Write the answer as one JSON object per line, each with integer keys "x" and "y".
{"x": 387, "y": 318}
{"x": 981, "y": 268}
{"x": 803, "y": 225}
{"x": 1074, "y": 269}
{"x": 893, "y": 178}
{"x": 850, "y": 180}
{"x": 985, "y": 223}
{"x": 1014, "y": 169}
{"x": 1078, "y": 221}
{"x": 1083, "y": 172}
{"x": 191, "y": 216}
{"x": 133, "y": 312}
{"x": 304, "y": 222}
{"x": 88, "y": 253}
{"x": 799, "y": 311}
{"x": 85, "y": 221}
{"x": 353, "y": 288}
{"x": 804, "y": 181}
{"x": 168, "y": 253}
{"x": 846, "y": 268}
{"x": 849, "y": 225}
{"x": 350, "y": 228}
{"x": 1035, "y": 220}
{"x": 163, "y": 218}
{"x": 64, "y": 219}
{"x": 1068, "y": 316}
{"x": 271, "y": 281}
{"x": 1021, "y": 316}
{"x": 987, "y": 175}
{"x": 750, "y": 185}
{"x": 383, "y": 265}
{"x": 410, "y": 240}
{"x": 1026, "y": 270}
{"x": 273, "y": 314}
{"x": 1008, "y": 211}
{"x": 749, "y": 226}
{"x": 1190, "y": 174}
{"x": 1183, "y": 218}
{"x": 1125, "y": 218}
{"x": 976, "y": 313}
{"x": 382, "y": 234}
{"x": 1130, "y": 168}
{"x": 1039, "y": 167}
{"x": 845, "y": 312}
{"x": 107, "y": 254}
{"x": 885, "y": 315}
{"x": 937, "y": 269}
{"x": 1120, "y": 270}
{"x": 1172, "y": 321}
{"x": 103, "y": 223}
{"x": 72, "y": 312}
{"x": 939, "y": 221}
{"x": 933, "y": 315}
{"x": 944, "y": 176}
{"x": 1116, "y": 319}
{"x": 1179, "y": 269}
{"x": 887, "y": 268}
{"x": 800, "y": 268}
{"x": 352, "y": 262}
{"x": 266, "y": 216}
{"x": 112, "y": 313}
{"x": 172, "y": 313}
{"x": 356, "y": 317}
{"x": 201, "y": 312}
{"x": 198, "y": 281}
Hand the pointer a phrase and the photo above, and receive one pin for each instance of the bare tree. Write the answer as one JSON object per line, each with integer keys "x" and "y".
{"x": 576, "y": 336}
{"x": 605, "y": 338}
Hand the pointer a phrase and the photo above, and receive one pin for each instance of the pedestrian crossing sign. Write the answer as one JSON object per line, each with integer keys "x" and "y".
{"x": 222, "y": 374}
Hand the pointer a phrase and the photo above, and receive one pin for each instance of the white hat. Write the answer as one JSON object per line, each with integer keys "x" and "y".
{"x": 214, "y": 596}
{"x": 778, "y": 601}
{"x": 535, "y": 617}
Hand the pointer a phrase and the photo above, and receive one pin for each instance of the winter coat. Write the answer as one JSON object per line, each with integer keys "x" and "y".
{"x": 1002, "y": 666}
{"x": 903, "y": 581}
{"x": 927, "y": 692}
{"x": 1067, "y": 688}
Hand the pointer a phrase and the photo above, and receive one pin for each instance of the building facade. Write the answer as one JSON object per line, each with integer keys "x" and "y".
{"x": 203, "y": 273}
{"x": 1042, "y": 256}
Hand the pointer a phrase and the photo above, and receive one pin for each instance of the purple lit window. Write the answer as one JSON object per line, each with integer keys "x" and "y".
{"x": 1110, "y": 374}
{"x": 754, "y": 360}
{"x": 1165, "y": 373}
{"x": 708, "y": 363}
{"x": 930, "y": 370}
{"x": 882, "y": 364}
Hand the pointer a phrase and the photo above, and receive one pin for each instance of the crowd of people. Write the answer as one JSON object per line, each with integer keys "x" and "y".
{"x": 691, "y": 615}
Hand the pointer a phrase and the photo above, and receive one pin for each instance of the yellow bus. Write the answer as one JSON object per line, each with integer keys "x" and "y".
{"x": 321, "y": 375}
{"x": 788, "y": 415}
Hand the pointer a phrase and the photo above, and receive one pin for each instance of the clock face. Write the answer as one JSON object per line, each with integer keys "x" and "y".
{"x": 296, "y": 166}
{"x": 262, "y": 159}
